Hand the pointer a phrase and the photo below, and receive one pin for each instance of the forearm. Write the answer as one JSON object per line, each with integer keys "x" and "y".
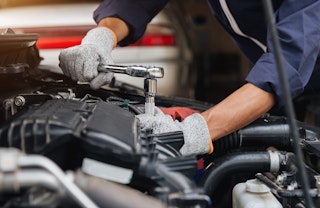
{"x": 236, "y": 111}
{"x": 118, "y": 26}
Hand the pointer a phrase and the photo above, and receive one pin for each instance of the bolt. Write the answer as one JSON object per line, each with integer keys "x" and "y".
{"x": 19, "y": 101}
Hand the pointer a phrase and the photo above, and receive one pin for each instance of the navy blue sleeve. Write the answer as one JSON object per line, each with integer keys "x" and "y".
{"x": 298, "y": 25}
{"x": 136, "y": 13}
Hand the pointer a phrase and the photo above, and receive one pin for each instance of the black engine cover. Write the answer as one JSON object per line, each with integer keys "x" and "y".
{"x": 69, "y": 130}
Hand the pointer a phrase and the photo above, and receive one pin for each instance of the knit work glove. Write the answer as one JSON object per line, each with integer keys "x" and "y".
{"x": 197, "y": 139}
{"x": 81, "y": 62}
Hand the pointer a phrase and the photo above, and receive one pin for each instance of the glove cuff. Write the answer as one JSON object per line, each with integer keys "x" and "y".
{"x": 196, "y": 136}
{"x": 101, "y": 37}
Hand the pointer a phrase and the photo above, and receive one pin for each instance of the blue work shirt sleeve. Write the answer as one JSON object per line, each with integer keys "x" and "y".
{"x": 298, "y": 25}
{"x": 136, "y": 13}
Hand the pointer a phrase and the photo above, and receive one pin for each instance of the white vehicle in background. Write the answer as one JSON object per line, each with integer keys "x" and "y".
{"x": 61, "y": 25}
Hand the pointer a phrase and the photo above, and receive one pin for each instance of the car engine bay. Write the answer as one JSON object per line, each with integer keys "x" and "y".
{"x": 64, "y": 144}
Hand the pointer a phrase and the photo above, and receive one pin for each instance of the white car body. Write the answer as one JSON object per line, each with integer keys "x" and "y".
{"x": 173, "y": 58}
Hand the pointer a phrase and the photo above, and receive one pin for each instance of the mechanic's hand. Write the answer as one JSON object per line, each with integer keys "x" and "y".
{"x": 81, "y": 62}
{"x": 197, "y": 140}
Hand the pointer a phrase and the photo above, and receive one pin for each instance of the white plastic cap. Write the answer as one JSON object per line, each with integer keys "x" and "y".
{"x": 255, "y": 186}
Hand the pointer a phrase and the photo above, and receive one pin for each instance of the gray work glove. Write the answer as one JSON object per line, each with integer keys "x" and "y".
{"x": 81, "y": 62}
{"x": 197, "y": 139}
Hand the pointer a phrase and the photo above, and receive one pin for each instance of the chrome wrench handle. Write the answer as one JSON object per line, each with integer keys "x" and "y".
{"x": 134, "y": 70}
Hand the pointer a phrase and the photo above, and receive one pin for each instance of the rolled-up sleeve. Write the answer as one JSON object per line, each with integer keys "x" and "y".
{"x": 298, "y": 25}
{"x": 136, "y": 13}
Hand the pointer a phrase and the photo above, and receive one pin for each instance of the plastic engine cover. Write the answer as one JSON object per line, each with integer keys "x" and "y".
{"x": 69, "y": 130}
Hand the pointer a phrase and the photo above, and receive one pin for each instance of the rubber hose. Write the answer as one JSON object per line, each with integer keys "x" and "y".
{"x": 274, "y": 133}
{"x": 233, "y": 163}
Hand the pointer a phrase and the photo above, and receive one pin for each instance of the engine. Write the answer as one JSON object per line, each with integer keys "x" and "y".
{"x": 95, "y": 137}
{"x": 66, "y": 145}
{"x": 64, "y": 130}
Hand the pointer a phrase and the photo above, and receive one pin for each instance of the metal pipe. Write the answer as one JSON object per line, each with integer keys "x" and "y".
{"x": 14, "y": 181}
{"x": 71, "y": 188}
{"x": 109, "y": 194}
{"x": 28, "y": 178}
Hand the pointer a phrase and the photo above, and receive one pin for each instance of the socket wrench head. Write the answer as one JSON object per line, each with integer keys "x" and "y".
{"x": 147, "y": 71}
{"x": 150, "y": 87}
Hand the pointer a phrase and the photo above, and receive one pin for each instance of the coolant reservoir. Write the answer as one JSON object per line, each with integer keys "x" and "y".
{"x": 253, "y": 194}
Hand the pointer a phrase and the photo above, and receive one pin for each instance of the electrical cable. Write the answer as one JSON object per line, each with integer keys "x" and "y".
{"x": 288, "y": 101}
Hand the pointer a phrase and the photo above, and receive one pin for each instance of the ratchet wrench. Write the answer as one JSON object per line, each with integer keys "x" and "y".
{"x": 134, "y": 70}
{"x": 150, "y": 73}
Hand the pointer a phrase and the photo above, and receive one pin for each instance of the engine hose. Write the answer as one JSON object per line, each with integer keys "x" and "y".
{"x": 264, "y": 133}
{"x": 109, "y": 194}
{"x": 236, "y": 163}
{"x": 227, "y": 143}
